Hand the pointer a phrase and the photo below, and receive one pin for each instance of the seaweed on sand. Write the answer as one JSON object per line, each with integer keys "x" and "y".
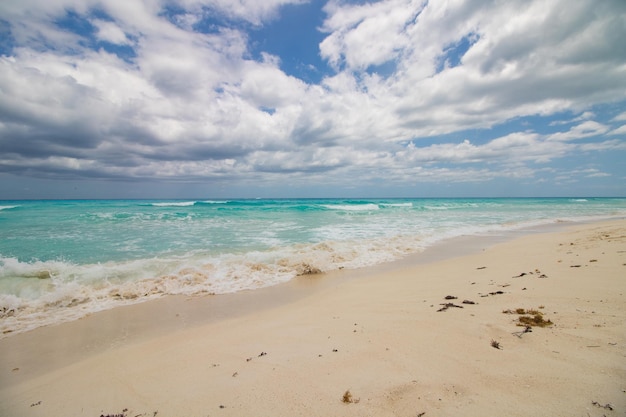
{"x": 348, "y": 398}
{"x": 530, "y": 318}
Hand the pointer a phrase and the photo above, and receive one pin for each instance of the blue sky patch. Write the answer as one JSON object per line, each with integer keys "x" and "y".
{"x": 453, "y": 54}
{"x": 7, "y": 41}
{"x": 294, "y": 37}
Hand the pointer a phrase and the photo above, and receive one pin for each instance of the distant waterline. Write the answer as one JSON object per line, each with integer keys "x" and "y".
{"x": 61, "y": 260}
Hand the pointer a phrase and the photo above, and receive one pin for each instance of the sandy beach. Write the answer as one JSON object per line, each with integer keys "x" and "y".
{"x": 429, "y": 338}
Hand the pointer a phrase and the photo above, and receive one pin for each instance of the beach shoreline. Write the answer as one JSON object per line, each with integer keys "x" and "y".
{"x": 380, "y": 337}
{"x": 114, "y": 253}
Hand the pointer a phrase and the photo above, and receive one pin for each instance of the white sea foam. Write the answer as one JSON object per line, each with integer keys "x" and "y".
{"x": 437, "y": 207}
{"x": 396, "y": 204}
{"x": 8, "y": 207}
{"x": 352, "y": 207}
{"x": 58, "y": 291}
{"x": 175, "y": 204}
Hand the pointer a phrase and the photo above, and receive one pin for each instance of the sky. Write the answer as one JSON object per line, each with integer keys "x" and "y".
{"x": 297, "y": 98}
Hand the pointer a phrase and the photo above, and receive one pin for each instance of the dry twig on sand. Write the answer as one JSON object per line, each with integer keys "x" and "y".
{"x": 447, "y": 306}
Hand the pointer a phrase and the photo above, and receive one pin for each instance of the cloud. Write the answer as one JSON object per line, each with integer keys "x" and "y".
{"x": 109, "y": 32}
{"x": 172, "y": 91}
{"x": 619, "y": 131}
{"x": 252, "y": 11}
{"x": 620, "y": 117}
{"x": 511, "y": 69}
{"x": 582, "y": 130}
{"x": 366, "y": 35}
{"x": 584, "y": 116}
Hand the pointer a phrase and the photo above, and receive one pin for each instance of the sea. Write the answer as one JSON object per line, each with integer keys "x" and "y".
{"x": 61, "y": 260}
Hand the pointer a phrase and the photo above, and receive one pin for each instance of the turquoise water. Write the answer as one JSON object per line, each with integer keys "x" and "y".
{"x": 60, "y": 260}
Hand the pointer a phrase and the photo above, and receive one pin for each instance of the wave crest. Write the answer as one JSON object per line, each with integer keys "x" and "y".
{"x": 174, "y": 204}
{"x": 352, "y": 207}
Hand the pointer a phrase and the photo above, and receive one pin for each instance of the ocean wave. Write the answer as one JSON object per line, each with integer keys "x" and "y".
{"x": 174, "y": 204}
{"x": 213, "y": 202}
{"x": 452, "y": 206}
{"x": 12, "y": 267}
{"x": 352, "y": 207}
{"x": 38, "y": 293}
{"x": 8, "y": 207}
{"x": 396, "y": 204}
{"x": 579, "y": 200}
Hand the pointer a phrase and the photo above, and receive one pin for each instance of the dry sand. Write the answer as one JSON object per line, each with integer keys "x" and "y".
{"x": 296, "y": 350}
